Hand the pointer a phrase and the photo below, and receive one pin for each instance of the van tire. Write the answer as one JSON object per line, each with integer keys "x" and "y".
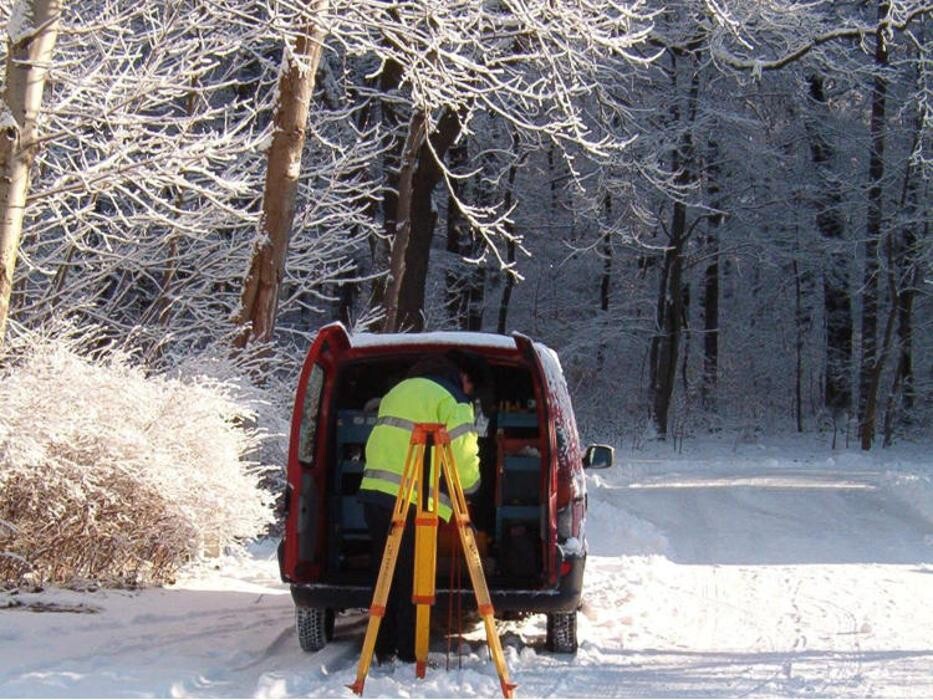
{"x": 562, "y": 632}
{"x": 315, "y": 627}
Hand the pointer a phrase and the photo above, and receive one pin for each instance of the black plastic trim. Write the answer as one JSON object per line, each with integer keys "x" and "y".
{"x": 565, "y": 598}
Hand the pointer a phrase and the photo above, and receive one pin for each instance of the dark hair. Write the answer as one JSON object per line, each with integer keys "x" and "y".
{"x": 436, "y": 366}
{"x": 469, "y": 363}
{"x": 449, "y": 366}
{"x": 480, "y": 374}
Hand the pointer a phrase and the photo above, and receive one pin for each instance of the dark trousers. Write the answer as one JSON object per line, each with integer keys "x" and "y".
{"x": 397, "y": 630}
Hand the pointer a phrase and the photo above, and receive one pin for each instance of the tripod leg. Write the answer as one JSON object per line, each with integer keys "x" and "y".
{"x": 386, "y": 571}
{"x": 378, "y": 608}
{"x": 475, "y": 567}
{"x": 423, "y": 592}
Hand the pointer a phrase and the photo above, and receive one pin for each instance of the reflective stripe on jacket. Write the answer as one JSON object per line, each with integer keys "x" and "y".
{"x": 420, "y": 400}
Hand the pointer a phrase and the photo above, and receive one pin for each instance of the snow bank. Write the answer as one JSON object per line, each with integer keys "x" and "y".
{"x": 110, "y": 475}
{"x": 913, "y": 488}
{"x": 620, "y": 532}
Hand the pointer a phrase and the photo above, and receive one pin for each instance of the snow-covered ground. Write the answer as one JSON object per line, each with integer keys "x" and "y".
{"x": 773, "y": 568}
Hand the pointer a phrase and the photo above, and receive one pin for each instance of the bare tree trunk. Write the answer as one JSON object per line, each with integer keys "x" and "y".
{"x": 905, "y": 333}
{"x": 417, "y": 130}
{"x": 423, "y": 221}
{"x": 798, "y": 346}
{"x": 509, "y": 250}
{"x": 870, "y": 366}
{"x": 552, "y": 174}
{"x": 685, "y": 325}
{"x": 509, "y": 284}
{"x": 457, "y": 229}
{"x": 903, "y": 374}
{"x": 389, "y": 81}
{"x": 889, "y": 409}
{"x": 711, "y": 284}
{"x": 908, "y": 281}
{"x": 605, "y": 282}
{"x": 606, "y": 252}
{"x": 871, "y": 402}
{"x": 260, "y": 298}
{"x": 665, "y": 346}
{"x": 29, "y": 54}
{"x": 905, "y": 336}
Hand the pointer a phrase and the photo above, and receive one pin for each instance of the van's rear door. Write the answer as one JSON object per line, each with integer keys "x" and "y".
{"x": 549, "y": 422}
{"x": 304, "y": 543}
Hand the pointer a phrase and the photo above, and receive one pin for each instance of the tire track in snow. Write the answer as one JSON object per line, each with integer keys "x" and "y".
{"x": 841, "y": 664}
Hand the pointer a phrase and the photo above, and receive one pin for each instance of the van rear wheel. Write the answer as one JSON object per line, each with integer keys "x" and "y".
{"x": 562, "y": 632}
{"x": 315, "y": 627}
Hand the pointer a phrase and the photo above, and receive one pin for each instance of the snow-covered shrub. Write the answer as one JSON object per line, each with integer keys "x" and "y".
{"x": 110, "y": 475}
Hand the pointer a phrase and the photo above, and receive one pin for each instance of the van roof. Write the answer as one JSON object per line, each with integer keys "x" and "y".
{"x": 452, "y": 338}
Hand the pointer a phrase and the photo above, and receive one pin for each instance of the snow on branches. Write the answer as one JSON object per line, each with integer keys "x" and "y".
{"x": 146, "y": 197}
{"x": 112, "y": 475}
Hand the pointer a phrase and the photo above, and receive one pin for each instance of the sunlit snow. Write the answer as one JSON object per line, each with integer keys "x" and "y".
{"x": 755, "y": 570}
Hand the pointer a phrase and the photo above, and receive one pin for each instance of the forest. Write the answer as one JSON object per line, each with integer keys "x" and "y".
{"x": 717, "y": 212}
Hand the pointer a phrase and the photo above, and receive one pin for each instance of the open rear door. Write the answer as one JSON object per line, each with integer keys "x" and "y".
{"x": 304, "y": 543}
{"x": 567, "y": 494}
{"x": 545, "y": 401}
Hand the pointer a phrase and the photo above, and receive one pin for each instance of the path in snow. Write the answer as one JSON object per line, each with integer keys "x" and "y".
{"x": 723, "y": 575}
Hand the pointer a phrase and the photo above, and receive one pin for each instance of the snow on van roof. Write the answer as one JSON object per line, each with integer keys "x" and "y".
{"x": 454, "y": 338}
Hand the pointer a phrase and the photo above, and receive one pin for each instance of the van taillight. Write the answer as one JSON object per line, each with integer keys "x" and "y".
{"x": 565, "y": 568}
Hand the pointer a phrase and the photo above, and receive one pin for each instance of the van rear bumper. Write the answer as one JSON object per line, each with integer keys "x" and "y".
{"x": 564, "y": 598}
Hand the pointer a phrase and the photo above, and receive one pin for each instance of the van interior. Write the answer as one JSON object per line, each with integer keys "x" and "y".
{"x": 508, "y": 511}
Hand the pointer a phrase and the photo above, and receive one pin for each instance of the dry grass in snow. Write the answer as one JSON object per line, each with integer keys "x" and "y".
{"x": 112, "y": 476}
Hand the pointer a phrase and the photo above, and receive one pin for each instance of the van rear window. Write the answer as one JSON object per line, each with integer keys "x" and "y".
{"x": 309, "y": 415}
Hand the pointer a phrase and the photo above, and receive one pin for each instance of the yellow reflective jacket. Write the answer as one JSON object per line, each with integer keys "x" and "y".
{"x": 421, "y": 400}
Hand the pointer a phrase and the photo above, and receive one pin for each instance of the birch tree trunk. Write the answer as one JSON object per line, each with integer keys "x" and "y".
{"x": 260, "y": 298}
{"x": 32, "y": 32}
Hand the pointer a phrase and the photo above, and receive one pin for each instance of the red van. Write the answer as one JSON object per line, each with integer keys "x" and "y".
{"x": 530, "y": 511}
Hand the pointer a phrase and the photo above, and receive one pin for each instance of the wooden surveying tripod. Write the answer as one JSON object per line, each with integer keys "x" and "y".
{"x": 417, "y": 471}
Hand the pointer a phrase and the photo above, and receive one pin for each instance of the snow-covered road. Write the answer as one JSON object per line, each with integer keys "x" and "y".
{"x": 764, "y": 582}
{"x": 717, "y": 572}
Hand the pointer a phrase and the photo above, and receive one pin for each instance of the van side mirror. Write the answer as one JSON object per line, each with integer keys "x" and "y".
{"x": 599, "y": 457}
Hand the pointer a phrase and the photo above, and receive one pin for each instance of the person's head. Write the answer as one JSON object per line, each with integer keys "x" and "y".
{"x": 475, "y": 376}
{"x": 466, "y": 370}
{"x": 436, "y": 366}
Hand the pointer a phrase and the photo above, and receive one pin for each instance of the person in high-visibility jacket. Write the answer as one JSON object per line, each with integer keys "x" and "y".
{"x": 436, "y": 390}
